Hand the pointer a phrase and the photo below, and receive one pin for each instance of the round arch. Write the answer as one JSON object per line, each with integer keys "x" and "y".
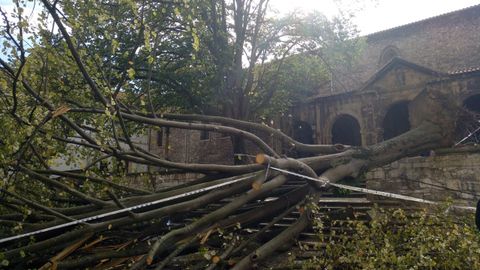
{"x": 346, "y": 130}
{"x": 388, "y": 54}
{"x": 396, "y": 120}
{"x": 467, "y": 128}
{"x": 302, "y": 132}
{"x": 472, "y": 103}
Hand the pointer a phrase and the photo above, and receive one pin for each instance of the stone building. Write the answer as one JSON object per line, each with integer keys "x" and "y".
{"x": 191, "y": 146}
{"x": 369, "y": 102}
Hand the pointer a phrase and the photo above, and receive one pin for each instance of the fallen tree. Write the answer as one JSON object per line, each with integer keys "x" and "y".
{"x": 140, "y": 236}
{"x": 174, "y": 223}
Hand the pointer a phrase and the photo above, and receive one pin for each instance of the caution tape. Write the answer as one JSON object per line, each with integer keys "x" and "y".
{"x": 324, "y": 181}
{"x": 123, "y": 210}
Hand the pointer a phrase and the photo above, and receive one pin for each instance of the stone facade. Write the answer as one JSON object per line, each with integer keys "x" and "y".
{"x": 453, "y": 176}
{"x": 395, "y": 66}
{"x": 158, "y": 182}
{"x": 368, "y": 106}
{"x": 191, "y": 146}
{"x": 182, "y": 146}
{"x": 375, "y": 101}
{"x": 446, "y": 43}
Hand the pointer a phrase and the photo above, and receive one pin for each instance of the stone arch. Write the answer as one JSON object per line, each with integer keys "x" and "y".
{"x": 346, "y": 130}
{"x": 396, "y": 120}
{"x": 302, "y": 132}
{"x": 467, "y": 127}
{"x": 388, "y": 54}
{"x": 472, "y": 103}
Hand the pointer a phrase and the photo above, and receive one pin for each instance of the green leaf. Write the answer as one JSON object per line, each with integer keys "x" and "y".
{"x": 131, "y": 73}
{"x": 115, "y": 45}
{"x": 196, "y": 41}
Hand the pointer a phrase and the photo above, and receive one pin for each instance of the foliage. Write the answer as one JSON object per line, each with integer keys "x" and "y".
{"x": 149, "y": 55}
{"x": 231, "y": 58}
{"x": 399, "y": 239}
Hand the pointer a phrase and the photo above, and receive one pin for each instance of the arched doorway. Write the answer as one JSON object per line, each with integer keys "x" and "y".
{"x": 302, "y": 132}
{"x": 396, "y": 120}
{"x": 468, "y": 127}
{"x": 346, "y": 130}
{"x": 472, "y": 104}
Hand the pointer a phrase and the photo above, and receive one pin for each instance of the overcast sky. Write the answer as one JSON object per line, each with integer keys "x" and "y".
{"x": 378, "y": 14}
{"x": 375, "y": 15}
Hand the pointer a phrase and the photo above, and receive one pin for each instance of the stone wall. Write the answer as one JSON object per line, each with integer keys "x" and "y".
{"x": 157, "y": 182}
{"x": 191, "y": 146}
{"x": 437, "y": 177}
{"x": 444, "y": 43}
{"x": 369, "y": 107}
{"x": 434, "y": 48}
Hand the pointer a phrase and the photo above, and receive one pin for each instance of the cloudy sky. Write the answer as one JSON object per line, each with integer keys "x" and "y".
{"x": 371, "y": 15}
{"x": 378, "y": 15}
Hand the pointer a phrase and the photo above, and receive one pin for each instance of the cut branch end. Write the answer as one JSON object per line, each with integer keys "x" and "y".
{"x": 260, "y": 158}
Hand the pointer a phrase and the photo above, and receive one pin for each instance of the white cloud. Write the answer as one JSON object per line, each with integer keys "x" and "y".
{"x": 381, "y": 15}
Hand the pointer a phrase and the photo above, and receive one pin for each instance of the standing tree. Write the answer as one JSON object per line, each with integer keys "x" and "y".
{"x": 224, "y": 58}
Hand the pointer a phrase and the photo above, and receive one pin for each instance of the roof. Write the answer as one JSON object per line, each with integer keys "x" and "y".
{"x": 396, "y": 61}
{"x": 445, "y": 44}
{"x": 464, "y": 70}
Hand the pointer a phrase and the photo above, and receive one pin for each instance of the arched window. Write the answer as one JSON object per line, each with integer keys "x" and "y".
{"x": 346, "y": 130}
{"x": 396, "y": 120}
{"x": 388, "y": 54}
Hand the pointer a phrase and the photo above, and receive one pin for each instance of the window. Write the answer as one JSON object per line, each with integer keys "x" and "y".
{"x": 388, "y": 54}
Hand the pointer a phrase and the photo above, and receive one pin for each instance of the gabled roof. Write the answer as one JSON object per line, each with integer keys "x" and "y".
{"x": 394, "y": 62}
{"x": 448, "y": 43}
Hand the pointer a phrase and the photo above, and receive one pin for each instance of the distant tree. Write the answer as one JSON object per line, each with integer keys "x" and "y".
{"x": 256, "y": 58}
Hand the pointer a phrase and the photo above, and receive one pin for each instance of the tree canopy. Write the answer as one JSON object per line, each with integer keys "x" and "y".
{"x": 230, "y": 58}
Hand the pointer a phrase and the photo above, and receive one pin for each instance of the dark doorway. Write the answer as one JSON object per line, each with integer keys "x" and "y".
{"x": 472, "y": 104}
{"x": 302, "y": 132}
{"x": 468, "y": 127}
{"x": 396, "y": 120}
{"x": 346, "y": 130}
